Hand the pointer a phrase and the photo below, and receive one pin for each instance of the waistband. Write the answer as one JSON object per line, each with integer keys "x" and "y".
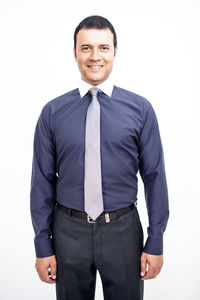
{"x": 104, "y": 216}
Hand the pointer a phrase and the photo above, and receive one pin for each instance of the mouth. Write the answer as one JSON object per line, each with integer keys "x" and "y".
{"x": 95, "y": 67}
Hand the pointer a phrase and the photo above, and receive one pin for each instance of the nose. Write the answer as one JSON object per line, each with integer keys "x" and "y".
{"x": 95, "y": 54}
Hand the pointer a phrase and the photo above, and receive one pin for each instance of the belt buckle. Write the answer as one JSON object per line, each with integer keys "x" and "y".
{"x": 89, "y": 219}
{"x": 107, "y": 218}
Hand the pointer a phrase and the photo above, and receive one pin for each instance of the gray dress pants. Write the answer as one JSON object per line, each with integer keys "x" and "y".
{"x": 82, "y": 248}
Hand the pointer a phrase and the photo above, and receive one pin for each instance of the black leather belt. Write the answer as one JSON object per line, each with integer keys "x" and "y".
{"x": 105, "y": 216}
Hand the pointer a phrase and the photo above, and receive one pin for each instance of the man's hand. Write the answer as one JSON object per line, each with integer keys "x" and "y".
{"x": 154, "y": 262}
{"x": 46, "y": 267}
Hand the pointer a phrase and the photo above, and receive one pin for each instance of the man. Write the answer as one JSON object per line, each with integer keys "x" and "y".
{"x": 88, "y": 147}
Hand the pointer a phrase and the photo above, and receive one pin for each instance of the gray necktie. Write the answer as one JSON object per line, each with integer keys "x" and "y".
{"x": 92, "y": 180}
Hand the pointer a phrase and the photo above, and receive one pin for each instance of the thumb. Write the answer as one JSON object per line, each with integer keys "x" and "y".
{"x": 143, "y": 265}
{"x": 53, "y": 270}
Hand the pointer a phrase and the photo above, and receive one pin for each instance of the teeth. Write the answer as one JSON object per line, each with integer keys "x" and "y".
{"x": 95, "y": 67}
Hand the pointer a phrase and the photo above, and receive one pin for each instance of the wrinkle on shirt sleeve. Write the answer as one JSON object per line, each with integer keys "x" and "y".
{"x": 152, "y": 171}
{"x": 43, "y": 185}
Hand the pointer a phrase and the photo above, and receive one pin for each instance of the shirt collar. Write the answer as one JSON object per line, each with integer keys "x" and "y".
{"x": 106, "y": 87}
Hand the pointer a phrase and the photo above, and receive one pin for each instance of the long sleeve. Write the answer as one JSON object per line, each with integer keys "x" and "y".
{"x": 43, "y": 185}
{"x": 152, "y": 171}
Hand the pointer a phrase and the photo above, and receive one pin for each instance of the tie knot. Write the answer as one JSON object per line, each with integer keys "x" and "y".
{"x": 94, "y": 91}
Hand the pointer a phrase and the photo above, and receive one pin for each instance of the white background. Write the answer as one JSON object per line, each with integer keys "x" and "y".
{"x": 158, "y": 58}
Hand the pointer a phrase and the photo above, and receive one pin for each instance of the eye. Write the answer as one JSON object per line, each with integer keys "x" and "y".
{"x": 85, "y": 49}
{"x": 105, "y": 48}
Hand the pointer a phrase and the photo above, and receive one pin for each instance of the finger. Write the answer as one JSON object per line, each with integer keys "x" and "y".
{"x": 53, "y": 271}
{"x": 143, "y": 266}
{"x": 44, "y": 276}
{"x": 150, "y": 273}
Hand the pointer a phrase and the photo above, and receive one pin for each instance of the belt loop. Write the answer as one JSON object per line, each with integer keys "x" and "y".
{"x": 117, "y": 213}
{"x": 70, "y": 211}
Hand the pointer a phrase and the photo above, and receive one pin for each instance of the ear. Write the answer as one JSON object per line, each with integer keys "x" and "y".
{"x": 115, "y": 50}
{"x": 74, "y": 52}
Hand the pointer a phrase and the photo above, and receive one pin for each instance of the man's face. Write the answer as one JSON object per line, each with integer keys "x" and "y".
{"x": 95, "y": 54}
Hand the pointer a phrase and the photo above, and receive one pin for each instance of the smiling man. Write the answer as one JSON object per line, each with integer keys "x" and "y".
{"x": 95, "y": 59}
{"x": 89, "y": 145}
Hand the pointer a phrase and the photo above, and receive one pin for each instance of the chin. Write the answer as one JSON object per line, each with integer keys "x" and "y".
{"x": 96, "y": 80}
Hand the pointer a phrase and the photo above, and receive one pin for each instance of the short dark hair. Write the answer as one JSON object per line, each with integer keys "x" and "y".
{"x": 96, "y": 22}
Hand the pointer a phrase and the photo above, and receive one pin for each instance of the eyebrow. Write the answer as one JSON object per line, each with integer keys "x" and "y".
{"x": 84, "y": 45}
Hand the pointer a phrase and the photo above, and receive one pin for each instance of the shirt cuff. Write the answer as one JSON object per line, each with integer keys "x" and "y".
{"x": 154, "y": 246}
{"x": 44, "y": 248}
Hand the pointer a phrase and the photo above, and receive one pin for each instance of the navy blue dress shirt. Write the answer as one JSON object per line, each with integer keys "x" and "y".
{"x": 130, "y": 141}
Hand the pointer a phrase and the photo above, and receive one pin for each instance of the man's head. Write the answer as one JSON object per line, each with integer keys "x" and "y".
{"x": 95, "y": 47}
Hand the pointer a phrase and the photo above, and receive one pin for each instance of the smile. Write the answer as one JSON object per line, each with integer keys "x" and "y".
{"x": 95, "y": 67}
